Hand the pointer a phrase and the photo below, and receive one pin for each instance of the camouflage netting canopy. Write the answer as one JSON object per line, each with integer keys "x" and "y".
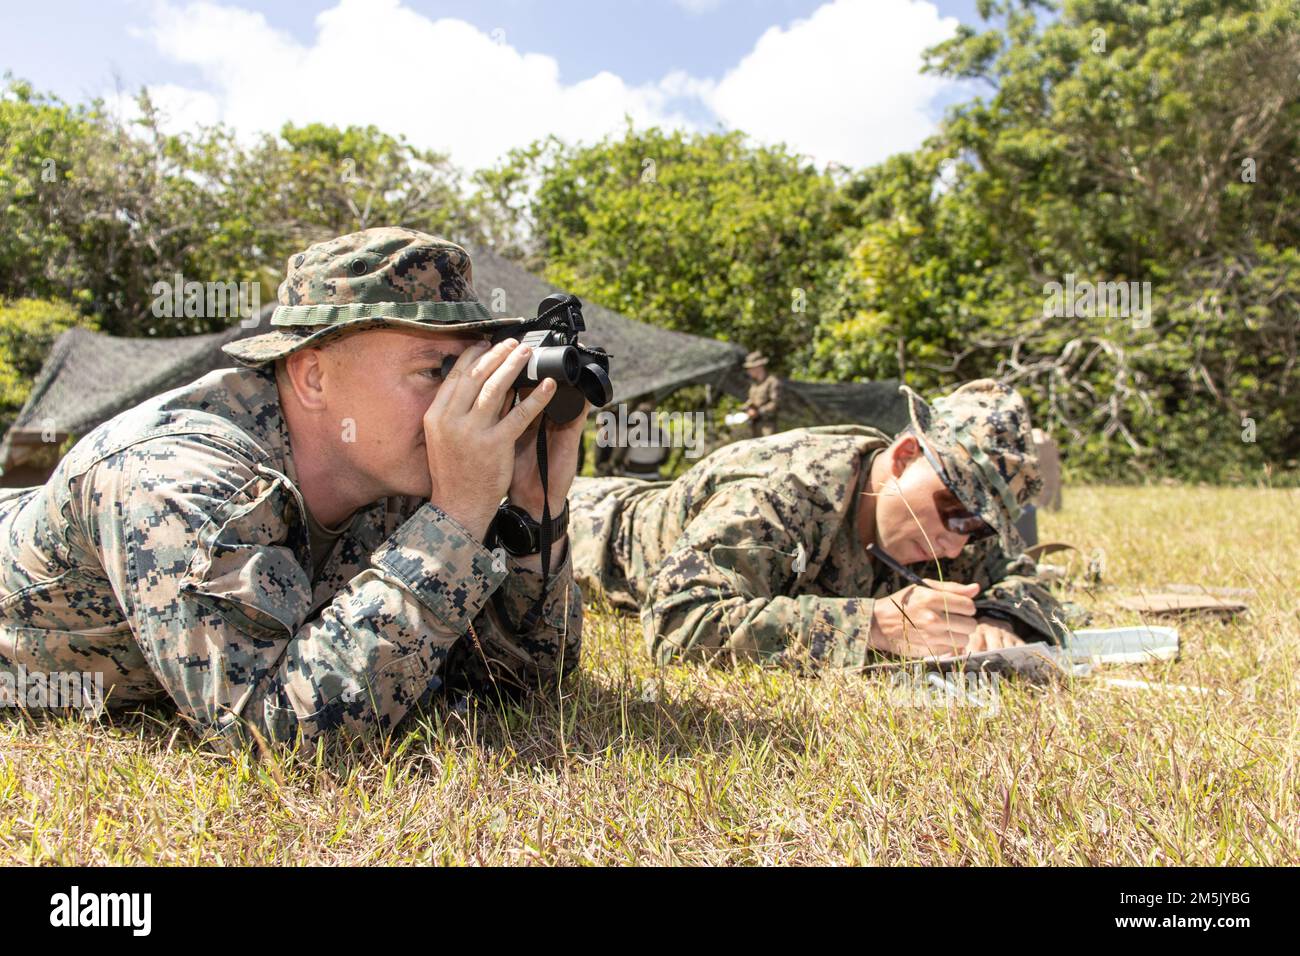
{"x": 878, "y": 404}
{"x": 89, "y": 377}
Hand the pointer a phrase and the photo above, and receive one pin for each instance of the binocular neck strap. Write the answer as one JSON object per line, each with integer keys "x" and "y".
{"x": 534, "y": 613}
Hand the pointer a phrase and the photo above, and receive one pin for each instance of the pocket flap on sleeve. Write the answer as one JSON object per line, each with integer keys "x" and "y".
{"x": 243, "y": 565}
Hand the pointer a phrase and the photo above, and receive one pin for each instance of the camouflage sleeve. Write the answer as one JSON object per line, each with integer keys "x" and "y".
{"x": 193, "y": 540}
{"x": 720, "y": 594}
{"x": 495, "y": 659}
{"x": 1010, "y": 585}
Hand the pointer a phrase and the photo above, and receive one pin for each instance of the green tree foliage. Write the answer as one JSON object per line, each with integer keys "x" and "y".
{"x": 315, "y": 182}
{"x": 1123, "y": 142}
{"x": 98, "y": 210}
{"x": 1109, "y": 141}
{"x": 706, "y": 234}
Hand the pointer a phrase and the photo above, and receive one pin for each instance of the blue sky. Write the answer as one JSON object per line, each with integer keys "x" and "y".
{"x": 835, "y": 79}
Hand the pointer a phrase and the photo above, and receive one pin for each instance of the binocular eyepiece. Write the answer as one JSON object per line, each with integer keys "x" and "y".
{"x": 581, "y": 373}
{"x": 560, "y": 362}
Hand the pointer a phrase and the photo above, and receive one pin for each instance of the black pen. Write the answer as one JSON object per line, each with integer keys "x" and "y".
{"x": 889, "y": 561}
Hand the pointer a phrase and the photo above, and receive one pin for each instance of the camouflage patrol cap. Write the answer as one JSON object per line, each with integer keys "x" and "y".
{"x": 980, "y": 442}
{"x": 387, "y": 277}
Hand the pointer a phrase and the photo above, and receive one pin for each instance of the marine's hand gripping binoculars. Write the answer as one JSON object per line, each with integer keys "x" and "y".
{"x": 581, "y": 373}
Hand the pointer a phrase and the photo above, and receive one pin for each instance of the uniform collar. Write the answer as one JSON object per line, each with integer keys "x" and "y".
{"x": 862, "y": 571}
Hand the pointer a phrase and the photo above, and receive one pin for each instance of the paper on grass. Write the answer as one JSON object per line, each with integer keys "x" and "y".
{"x": 1140, "y": 644}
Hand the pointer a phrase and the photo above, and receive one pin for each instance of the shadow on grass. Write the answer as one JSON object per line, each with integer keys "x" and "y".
{"x": 593, "y": 718}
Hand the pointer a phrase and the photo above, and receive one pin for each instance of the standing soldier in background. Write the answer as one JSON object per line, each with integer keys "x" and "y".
{"x": 297, "y": 546}
{"x": 763, "y": 406}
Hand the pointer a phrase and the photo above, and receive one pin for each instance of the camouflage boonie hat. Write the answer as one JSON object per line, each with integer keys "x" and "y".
{"x": 979, "y": 440}
{"x": 755, "y": 360}
{"x": 387, "y": 277}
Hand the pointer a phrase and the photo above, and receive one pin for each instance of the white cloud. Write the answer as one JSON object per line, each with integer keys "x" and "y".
{"x": 839, "y": 86}
{"x": 842, "y": 85}
{"x": 443, "y": 83}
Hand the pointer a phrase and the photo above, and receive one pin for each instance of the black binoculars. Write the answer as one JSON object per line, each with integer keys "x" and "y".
{"x": 581, "y": 373}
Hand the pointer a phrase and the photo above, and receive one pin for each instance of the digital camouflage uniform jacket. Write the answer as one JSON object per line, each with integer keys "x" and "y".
{"x": 168, "y": 551}
{"x": 751, "y": 554}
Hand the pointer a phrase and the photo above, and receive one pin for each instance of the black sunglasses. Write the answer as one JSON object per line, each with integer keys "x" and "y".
{"x": 952, "y": 513}
{"x": 957, "y": 519}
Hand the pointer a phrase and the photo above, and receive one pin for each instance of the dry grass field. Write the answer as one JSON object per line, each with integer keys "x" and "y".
{"x": 686, "y": 765}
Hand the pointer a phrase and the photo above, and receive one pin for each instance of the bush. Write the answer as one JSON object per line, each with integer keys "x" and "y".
{"x": 28, "y": 328}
